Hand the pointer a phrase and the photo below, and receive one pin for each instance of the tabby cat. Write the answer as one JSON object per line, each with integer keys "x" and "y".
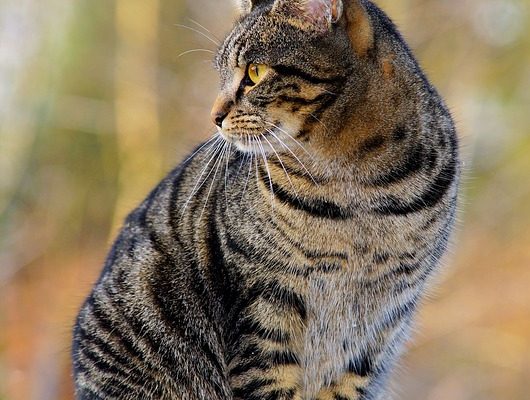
{"x": 284, "y": 259}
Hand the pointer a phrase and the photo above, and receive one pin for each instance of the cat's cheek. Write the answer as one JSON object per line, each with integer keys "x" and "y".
{"x": 228, "y": 135}
{"x": 234, "y": 123}
{"x": 233, "y": 134}
{"x": 287, "y": 122}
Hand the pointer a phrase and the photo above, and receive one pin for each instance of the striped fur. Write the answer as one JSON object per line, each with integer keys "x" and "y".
{"x": 284, "y": 259}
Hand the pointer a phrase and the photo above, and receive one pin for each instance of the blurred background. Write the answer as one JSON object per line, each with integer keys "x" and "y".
{"x": 100, "y": 98}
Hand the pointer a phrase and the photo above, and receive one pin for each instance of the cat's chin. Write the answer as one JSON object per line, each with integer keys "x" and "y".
{"x": 279, "y": 138}
{"x": 254, "y": 144}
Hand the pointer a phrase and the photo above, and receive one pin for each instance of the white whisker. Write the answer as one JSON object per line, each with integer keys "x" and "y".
{"x": 227, "y": 172}
{"x": 262, "y": 150}
{"x": 212, "y": 153}
{"x": 318, "y": 120}
{"x": 290, "y": 137}
{"x": 216, "y": 42}
{"x": 242, "y": 161}
{"x": 195, "y": 51}
{"x": 214, "y": 137}
{"x": 249, "y": 159}
{"x": 256, "y": 170}
{"x": 206, "y": 29}
{"x": 329, "y": 92}
{"x": 281, "y": 163}
{"x": 216, "y": 166}
{"x": 294, "y": 155}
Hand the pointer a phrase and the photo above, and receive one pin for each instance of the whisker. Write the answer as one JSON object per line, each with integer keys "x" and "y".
{"x": 329, "y": 92}
{"x": 206, "y": 29}
{"x": 262, "y": 150}
{"x": 242, "y": 159}
{"x": 318, "y": 120}
{"x": 249, "y": 159}
{"x": 200, "y": 181}
{"x": 281, "y": 163}
{"x": 290, "y": 137}
{"x": 195, "y": 51}
{"x": 215, "y": 136}
{"x": 227, "y": 172}
{"x": 256, "y": 169}
{"x": 216, "y": 166}
{"x": 294, "y": 155}
{"x": 216, "y": 42}
{"x": 211, "y": 154}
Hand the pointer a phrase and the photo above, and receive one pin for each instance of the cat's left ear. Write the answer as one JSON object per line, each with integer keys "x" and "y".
{"x": 246, "y": 6}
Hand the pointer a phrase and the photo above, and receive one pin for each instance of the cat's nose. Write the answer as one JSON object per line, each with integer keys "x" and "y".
{"x": 220, "y": 110}
{"x": 218, "y": 116}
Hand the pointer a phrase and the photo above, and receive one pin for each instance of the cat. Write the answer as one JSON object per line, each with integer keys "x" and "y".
{"x": 287, "y": 256}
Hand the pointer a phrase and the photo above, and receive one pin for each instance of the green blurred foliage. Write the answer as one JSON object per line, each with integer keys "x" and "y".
{"x": 96, "y": 105}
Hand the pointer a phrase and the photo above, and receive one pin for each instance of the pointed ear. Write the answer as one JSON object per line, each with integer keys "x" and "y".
{"x": 321, "y": 14}
{"x": 246, "y": 6}
{"x": 358, "y": 26}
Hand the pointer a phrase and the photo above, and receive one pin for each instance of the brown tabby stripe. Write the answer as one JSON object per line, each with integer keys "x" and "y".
{"x": 253, "y": 388}
{"x": 302, "y": 101}
{"x": 410, "y": 165}
{"x": 255, "y": 358}
{"x": 429, "y": 198}
{"x": 257, "y": 394}
{"x": 314, "y": 117}
{"x": 249, "y": 252}
{"x": 314, "y": 207}
{"x": 400, "y": 312}
{"x": 362, "y": 366}
{"x": 279, "y": 295}
{"x": 290, "y": 168}
{"x": 312, "y": 255}
{"x": 247, "y": 325}
{"x": 316, "y": 80}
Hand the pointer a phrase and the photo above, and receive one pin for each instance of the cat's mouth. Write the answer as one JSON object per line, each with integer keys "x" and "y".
{"x": 266, "y": 142}
{"x": 250, "y": 142}
{"x": 270, "y": 139}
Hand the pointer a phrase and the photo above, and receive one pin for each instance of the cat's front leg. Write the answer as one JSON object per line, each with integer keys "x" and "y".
{"x": 350, "y": 387}
{"x": 265, "y": 361}
{"x": 276, "y": 382}
{"x": 360, "y": 381}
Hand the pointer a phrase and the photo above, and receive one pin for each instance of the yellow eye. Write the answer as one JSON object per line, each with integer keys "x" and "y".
{"x": 256, "y": 72}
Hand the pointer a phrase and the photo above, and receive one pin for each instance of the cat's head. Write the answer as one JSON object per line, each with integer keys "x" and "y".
{"x": 300, "y": 68}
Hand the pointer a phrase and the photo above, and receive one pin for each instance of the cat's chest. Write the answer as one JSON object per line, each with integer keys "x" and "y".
{"x": 333, "y": 334}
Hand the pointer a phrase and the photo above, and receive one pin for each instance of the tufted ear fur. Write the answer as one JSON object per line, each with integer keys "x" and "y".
{"x": 320, "y": 13}
{"x": 323, "y": 14}
{"x": 246, "y": 6}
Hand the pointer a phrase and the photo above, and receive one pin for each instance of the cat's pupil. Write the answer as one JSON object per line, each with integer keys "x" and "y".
{"x": 254, "y": 73}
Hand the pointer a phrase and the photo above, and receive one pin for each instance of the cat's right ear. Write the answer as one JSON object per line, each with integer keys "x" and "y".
{"x": 246, "y": 6}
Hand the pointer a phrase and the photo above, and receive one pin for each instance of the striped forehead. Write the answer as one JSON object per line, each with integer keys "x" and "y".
{"x": 233, "y": 47}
